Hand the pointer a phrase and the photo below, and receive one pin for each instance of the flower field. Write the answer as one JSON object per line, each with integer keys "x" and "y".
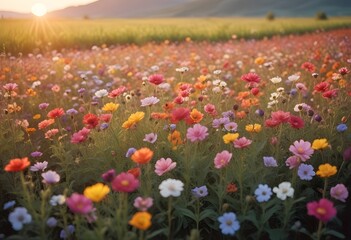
{"x": 239, "y": 139}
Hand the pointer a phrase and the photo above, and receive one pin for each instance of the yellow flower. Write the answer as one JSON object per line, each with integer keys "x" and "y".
{"x": 136, "y": 117}
{"x": 36, "y": 116}
{"x": 30, "y": 130}
{"x": 320, "y": 144}
{"x": 96, "y": 192}
{"x": 253, "y": 127}
{"x": 326, "y": 170}
{"x": 259, "y": 60}
{"x": 230, "y": 137}
{"x": 141, "y": 220}
{"x": 110, "y": 107}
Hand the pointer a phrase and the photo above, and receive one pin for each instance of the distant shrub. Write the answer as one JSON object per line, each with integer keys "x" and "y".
{"x": 270, "y": 16}
{"x": 321, "y": 16}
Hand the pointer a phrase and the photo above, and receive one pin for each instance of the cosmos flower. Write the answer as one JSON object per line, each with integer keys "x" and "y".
{"x": 142, "y": 156}
{"x": 141, "y": 220}
{"x": 270, "y": 162}
{"x": 305, "y": 172}
{"x": 79, "y": 204}
{"x": 39, "y": 166}
{"x": 125, "y": 182}
{"x": 50, "y": 177}
{"x": 171, "y": 188}
{"x": 149, "y": 101}
{"x": 323, "y": 210}
{"x": 339, "y": 192}
{"x": 156, "y": 79}
{"x": 150, "y": 137}
{"x": 242, "y": 142}
{"x": 143, "y": 204}
{"x": 222, "y": 159}
{"x": 163, "y": 166}
{"x": 301, "y": 149}
{"x": 284, "y": 190}
{"x": 197, "y": 133}
{"x": 199, "y": 192}
{"x": 101, "y": 93}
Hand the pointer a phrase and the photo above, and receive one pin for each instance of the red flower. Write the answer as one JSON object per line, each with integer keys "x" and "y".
{"x": 156, "y": 79}
{"x": 308, "y": 67}
{"x": 255, "y": 91}
{"x": 330, "y": 94}
{"x": 135, "y": 171}
{"x": 322, "y": 87}
{"x": 17, "y": 165}
{"x": 344, "y": 71}
{"x": 179, "y": 114}
{"x": 90, "y": 120}
{"x": 296, "y": 122}
{"x": 56, "y": 113}
{"x": 280, "y": 116}
{"x": 271, "y": 123}
{"x": 251, "y": 77}
{"x": 323, "y": 210}
{"x": 106, "y": 117}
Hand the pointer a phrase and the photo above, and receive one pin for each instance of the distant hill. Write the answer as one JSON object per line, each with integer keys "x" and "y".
{"x": 201, "y": 8}
{"x": 9, "y": 14}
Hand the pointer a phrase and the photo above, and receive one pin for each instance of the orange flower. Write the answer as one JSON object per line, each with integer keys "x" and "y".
{"x": 17, "y": 165}
{"x": 143, "y": 155}
{"x": 240, "y": 114}
{"x": 168, "y": 106}
{"x": 196, "y": 116}
{"x": 159, "y": 115}
{"x": 141, "y": 220}
{"x": 135, "y": 171}
{"x": 175, "y": 138}
{"x": 45, "y": 123}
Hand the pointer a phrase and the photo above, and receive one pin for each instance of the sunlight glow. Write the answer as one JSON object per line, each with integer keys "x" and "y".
{"x": 39, "y": 9}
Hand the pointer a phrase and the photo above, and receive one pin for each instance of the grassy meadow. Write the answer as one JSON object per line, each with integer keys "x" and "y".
{"x": 41, "y": 34}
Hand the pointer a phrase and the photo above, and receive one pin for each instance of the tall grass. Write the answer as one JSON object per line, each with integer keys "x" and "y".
{"x": 45, "y": 34}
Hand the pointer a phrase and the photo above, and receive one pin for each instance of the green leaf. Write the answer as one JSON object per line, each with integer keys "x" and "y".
{"x": 252, "y": 218}
{"x": 277, "y": 234}
{"x": 269, "y": 213}
{"x": 208, "y": 213}
{"x": 335, "y": 234}
{"x": 185, "y": 212}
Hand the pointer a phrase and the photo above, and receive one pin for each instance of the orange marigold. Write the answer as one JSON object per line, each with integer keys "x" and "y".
{"x": 142, "y": 156}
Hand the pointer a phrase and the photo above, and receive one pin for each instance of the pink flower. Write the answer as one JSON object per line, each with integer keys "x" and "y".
{"x": 339, "y": 192}
{"x": 280, "y": 116}
{"x": 156, "y": 79}
{"x": 222, "y": 159}
{"x": 242, "y": 142}
{"x": 323, "y": 210}
{"x": 78, "y": 203}
{"x": 50, "y": 177}
{"x": 251, "y": 77}
{"x": 210, "y": 109}
{"x": 50, "y": 133}
{"x": 302, "y": 149}
{"x": 151, "y": 138}
{"x": 296, "y": 122}
{"x": 293, "y": 162}
{"x": 149, "y": 101}
{"x": 125, "y": 182}
{"x": 197, "y": 133}
{"x": 271, "y": 123}
{"x": 80, "y": 136}
{"x": 164, "y": 165}
{"x": 143, "y": 203}
{"x": 116, "y": 92}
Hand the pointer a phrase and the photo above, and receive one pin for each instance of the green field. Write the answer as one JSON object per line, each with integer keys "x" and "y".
{"x": 44, "y": 34}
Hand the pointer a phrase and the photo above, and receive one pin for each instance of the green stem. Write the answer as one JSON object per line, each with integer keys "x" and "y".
{"x": 319, "y": 231}
{"x": 325, "y": 187}
{"x": 169, "y": 213}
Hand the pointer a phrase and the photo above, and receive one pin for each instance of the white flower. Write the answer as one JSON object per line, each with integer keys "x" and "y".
{"x": 57, "y": 200}
{"x": 274, "y": 96}
{"x": 216, "y": 82}
{"x": 293, "y": 78}
{"x": 280, "y": 90}
{"x": 19, "y": 217}
{"x": 217, "y": 72}
{"x": 276, "y": 80}
{"x": 284, "y": 190}
{"x": 171, "y": 187}
{"x": 299, "y": 107}
{"x": 101, "y": 93}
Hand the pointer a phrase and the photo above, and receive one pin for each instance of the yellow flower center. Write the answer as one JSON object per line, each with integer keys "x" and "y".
{"x": 321, "y": 211}
{"x": 125, "y": 183}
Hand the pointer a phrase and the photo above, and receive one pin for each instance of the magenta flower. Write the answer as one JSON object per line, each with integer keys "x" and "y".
{"x": 78, "y": 203}
{"x": 151, "y": 138}
{"x": 50, "y": 177}
{"x": 293, "y": 162}
{"x": 143, "y": 204}
{"x": 164, "y": 165}
{"x": 222, "y": 159}
{"x": 125, "y": 182}
{"x": 149, "y": 101}
{"x": 242, "y": 142}
{"x": 156, "y": 79}
{"x": 251, "y": 77}
{"x": 197, "y": 133}
{"x": 302, "y": 149}
{"x": 109, "y": 175}
{"x": 339, "y": 192}
{"x": 323, "y": 210}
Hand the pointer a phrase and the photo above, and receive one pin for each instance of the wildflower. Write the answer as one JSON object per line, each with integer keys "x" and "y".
{"x": 175, "y": 138}
{"x": 199, "y": 192}
{"x": 319, "y": 144}
{"x": 179, "y": 114}
{"x": 230, "y": 137}
{"x": 110, "y": 107}
{"x": 296, "y": 122}
{"x": 51, "y": 133}
{"x": 96, "y": 192}
{"x": 125, "y": 182}
{"x": 163, "y": 166}
{"x": 195, "y": 116}
{"x": 220, "y": 122}
{"x": 280, "y": 116}
{"x": 276, "y": 80}
{"x": 72, "y": 112}
{"x": 17, "y": 165}
{"x": 326, "y": 170}
{"x": 19, "y": 217}
{"x": 141, "y": 220}
{"x": 284, "y": 190}
{"x": 90, "y": 120}
{"x": 308, "y": 67}
{"x": 251, "y": 77}
{"x": 253, "y": 128}
{"x": 143, "y": 204}
{"x": 50, "y": 177}
{"x": 263, "y": 193}
{"x": 57, "y": 200}
{"x": 56, "y": 113}
{"x": 231, "y": 127}
{"x": 156, "y": 79}
{"x": 323, "y": 210}
{"x": 65, "y": 233}
{"x": 9, "y": 204}
{"x": 142, "y": 156}
{"x": 222, "y": 159}
{"x": 341, "y": 127}
{"x": 45, "y": 123}
{"x": 330, "y": 93}
{"x": 109, "y": 175}
{"x": 101, "y": 93}
{"x": 151, "y": 138}
{"x": 130, "y": 152}
{"x": 51, "y": 222}
{"x": 301, "y": 149}
{"x": 210, "y": 109}
{"x": 197, "y": 133}
{"x": 43, "y": 106}
{"x": 79, "y": 204}
{"x": 80, "y": 136}
{"x": 305, "y": 172}
{"x": 231, "y": 188}
{"x": 293, "y": 162}
{"x": 347, "y": 154}
{"x": 339, "y": 192}
{"x": 171, "y": 187}
{"x": 39, "y": 166}
{"x": 149, "y": 101}
{"x": 270, "y": 162}
{"x": 116, "y": 92}
{"x": 322, "y": 87}
{"x": 229, "y": 223}
{"x": 242, "y": 142}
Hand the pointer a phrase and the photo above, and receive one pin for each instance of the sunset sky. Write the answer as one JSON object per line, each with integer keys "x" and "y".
{"x": 26, "y": 5}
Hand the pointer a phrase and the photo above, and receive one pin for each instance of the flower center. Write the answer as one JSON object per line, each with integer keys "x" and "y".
{"x": 229, "y": 222}
{"x": 300, "y": 150}
{"x": 125, "y": 183}
{"x": 321, "y": 211}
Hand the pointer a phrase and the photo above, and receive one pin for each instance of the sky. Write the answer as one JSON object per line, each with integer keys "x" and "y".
{"x": 25, "y": 6}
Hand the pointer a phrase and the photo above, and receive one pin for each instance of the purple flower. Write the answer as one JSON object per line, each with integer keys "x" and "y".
{"x": 339, "y": 192}
{"x": 197, "y": 133}
{"x": 305, "y": 172}
{"x": 39, "y": 166}
{"x": 263, "y": 193}
{"x": 149, "y": 101}
{"x": 151, "y": 137}
{"x": 199, "y": 192}
{"x": 43, "y": 106}
{"x": 270, "y": 162}
{"x": 143, "y": 204}
{"x": 109, "y": 175}
{"x": 130, "y": 152}
{"x": 67, "y": 232}
{"x": 302, "y": 149}
{"x": 347, "y": 154}
{"x": 228, "y": 114}
{"x": 231, "y": 126}
{"x": 51, "y": 222}
{"x": 9, "y": 204}
{"x": 19, "y": 217}
{"x": 36, "y": 154}
{"x": 292, "y": 162}
{"x": 220, "y": 122}
{"x": 72, "y": 111}
{"x": 50, "y": 177}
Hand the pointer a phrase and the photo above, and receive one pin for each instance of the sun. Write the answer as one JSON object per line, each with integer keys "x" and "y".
{"x": 39, "y": 9}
